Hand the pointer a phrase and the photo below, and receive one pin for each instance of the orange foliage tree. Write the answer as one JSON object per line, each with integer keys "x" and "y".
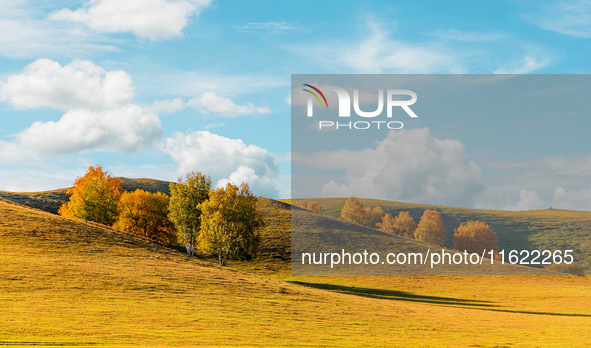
{"x": 146, "y": 214}
{"x": 475, "y": 237}
{"x": 431, "y": 228}
{"x": 94, "y": 197}
{"x": 402, "y": 225}
{"x": 354, "y": 211}
{"x": 311, "y": 206}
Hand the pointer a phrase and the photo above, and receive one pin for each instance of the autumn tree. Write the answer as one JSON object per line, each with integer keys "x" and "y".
{"x": 475, "y": 237}
{"x": 402, "y": 225}
{"x": 94, "y": 197}
{"x": 373, "y": 216}
{"x": 431, "y": 228}
{"x": 387, "y": 224}
{"x": 183, "y": 209}
{"x": 311, "y": 206}
{"x": 354, "y": 211}
{"x": 146, "y": 214}
{"x": 230, "y": 223}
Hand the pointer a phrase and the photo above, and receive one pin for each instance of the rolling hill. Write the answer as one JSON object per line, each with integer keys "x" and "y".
{"x": 51, "y": 201}
{"x": 73, "y": 283}
{"x": 517, "y": 230}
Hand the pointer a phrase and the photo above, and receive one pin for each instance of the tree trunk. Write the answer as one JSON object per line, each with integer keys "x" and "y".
{"x": 224, "y": 258}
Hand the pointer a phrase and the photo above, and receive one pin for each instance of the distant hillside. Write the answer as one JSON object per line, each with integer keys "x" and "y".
{"x": 517, "y": 230}
{"x": 51, "y": 201}
{"x": 276, "y": 234}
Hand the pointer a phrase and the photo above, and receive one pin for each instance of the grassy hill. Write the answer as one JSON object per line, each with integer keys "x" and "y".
{"x": 72, "y": 283}
{"x": 522, "y": 230}
{"x": 51, "y": 201}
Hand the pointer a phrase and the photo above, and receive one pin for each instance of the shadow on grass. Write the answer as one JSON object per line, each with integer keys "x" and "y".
{"x": 396, "y": 295}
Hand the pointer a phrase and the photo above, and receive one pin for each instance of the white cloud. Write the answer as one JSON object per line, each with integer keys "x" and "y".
{"x": 100, "y": 114}
{"x": 24, "y": 33}
{"x": 12, "y": 153}
{"x": 80, "y": 84}
{"x": 527, "y": 65}
{"x": 127, "y": 128}
{"x": 378, "y": 53}
{"x": 210, "y": 102}
{"x": 214, "y": 125}
{"x": 153, "y": 19}
{"x": 409, "y": 165}
{"x": 273, "y": 27}
{"x": 576, "y": 199}
{"x": 571, "y": 18}
{"x": 560, "y": 182}
{"x": 529, "y": 200}
{"x": 224, "y": 159}
{"x": 168, "y": 105}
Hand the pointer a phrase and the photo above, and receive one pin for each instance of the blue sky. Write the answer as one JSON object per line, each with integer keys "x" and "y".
{"x": 157, "y": 88}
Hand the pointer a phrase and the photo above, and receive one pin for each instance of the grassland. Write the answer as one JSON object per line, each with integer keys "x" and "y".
{"x": 51, "y": 201}
{"x": 550, "y": 229}
{"x": 72, "y": 283}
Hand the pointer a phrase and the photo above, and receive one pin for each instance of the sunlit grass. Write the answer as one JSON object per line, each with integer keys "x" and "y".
{"x": 66, "y": 282}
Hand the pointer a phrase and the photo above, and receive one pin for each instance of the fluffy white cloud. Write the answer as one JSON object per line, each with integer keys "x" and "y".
{"x": 529, "y": 200}
{"x": 210, "y": 102}
{"x": 577, "y": 199}
{"x": 225, "y": 160}
{"x": 559, "y": 182}
{"x": 409, "y": 165}
{"x": 100, "y": 114}
{"x": 168, "y": 105}
{"x": 80, "y": 84}
{"x": 127, "y": 128}
{"x": 153, "y": 19}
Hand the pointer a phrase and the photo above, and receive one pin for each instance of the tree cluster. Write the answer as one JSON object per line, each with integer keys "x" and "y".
{"x": 224, "y": 221}
{"x": 311, "y": 206}
{"x": 353, "y": 211}
{"x": 471, "y": 236}
{"x": 402, "y": 225}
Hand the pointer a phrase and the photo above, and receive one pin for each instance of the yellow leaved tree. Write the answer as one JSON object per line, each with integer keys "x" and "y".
{"x": 230, "y": 223}
{"x": 146, "y": 214}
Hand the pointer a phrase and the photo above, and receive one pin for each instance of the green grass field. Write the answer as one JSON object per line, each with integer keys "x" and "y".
{"x": 72, "y": 283}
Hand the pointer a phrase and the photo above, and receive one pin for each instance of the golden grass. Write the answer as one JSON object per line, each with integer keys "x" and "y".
{"x": 70, "y": 283}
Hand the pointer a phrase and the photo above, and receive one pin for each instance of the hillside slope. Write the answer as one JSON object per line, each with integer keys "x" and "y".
{"x": 51, "y": 201}
{"x": 72, "y": 283}
{"x": 517, "y": 230}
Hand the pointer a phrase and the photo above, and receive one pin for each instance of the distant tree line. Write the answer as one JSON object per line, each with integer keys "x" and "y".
{"x": 472, "y": 236}
{"x": 223, "y": 221}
